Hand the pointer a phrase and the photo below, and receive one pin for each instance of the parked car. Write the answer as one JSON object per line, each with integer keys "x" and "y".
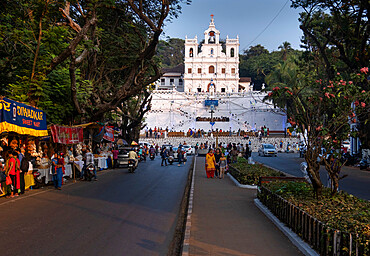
{"x": 123, "y": 156}
{"x": 190, "y": 150}
{"x": 267, "y": 150}
{"x": 175, "y": 155}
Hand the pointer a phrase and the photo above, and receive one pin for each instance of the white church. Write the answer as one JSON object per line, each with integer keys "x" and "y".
{"x": 209, "y": 81}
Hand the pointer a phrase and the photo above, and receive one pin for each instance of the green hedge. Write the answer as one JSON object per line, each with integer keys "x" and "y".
{"x": 248, "y": 174}
{"x": 343, "y": 211}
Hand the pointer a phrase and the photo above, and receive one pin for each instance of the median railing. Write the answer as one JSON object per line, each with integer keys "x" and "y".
{"x": 323, "y": 239}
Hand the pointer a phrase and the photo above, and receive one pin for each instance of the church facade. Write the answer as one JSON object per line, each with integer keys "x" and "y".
{"x": 212, "y": 66}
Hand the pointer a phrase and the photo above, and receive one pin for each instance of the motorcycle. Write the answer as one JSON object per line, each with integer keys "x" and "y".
{"x": 365, "y": 163}
{"x": 152, "y": 156}
{"x": 170, "y": 159}
{"x": 131, "y": 166}
{"x": 89, "y": 172}
{"x": 39, "y": 181}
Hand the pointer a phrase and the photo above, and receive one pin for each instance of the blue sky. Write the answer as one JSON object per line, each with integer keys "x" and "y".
{"x": 246, "y": 18}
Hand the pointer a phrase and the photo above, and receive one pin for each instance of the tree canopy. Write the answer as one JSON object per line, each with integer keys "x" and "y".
{"x": 79, "y": 60}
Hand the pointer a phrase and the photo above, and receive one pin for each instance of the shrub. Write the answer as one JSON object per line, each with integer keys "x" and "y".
{"x": 248, "y": 174}
{"x": 343, "y": 211}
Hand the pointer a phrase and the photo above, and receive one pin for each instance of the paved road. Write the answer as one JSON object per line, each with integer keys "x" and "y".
{"x": 120, "y": 214}
{"x": 357, "y": 182}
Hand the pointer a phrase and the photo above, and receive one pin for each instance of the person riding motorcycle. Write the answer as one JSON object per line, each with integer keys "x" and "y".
{"x": 152, "y": 150}
{"x": 133, "y": 156}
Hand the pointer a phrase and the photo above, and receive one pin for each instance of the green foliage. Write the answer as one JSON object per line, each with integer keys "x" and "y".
{"x": 257, "y": 62}
{"x": 171, "y": 52}
{"x": 249, "y": 173}
{"x": 342, "y": 211}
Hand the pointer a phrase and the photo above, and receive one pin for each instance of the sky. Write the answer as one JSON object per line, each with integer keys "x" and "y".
{"x": 246, "y": 18}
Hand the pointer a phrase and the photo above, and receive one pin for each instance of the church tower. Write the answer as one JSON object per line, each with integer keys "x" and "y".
{"x": 212, "y": 66}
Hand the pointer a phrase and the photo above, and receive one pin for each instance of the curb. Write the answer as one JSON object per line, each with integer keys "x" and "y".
{"x": 240, "y": 185}
{"x": 293, "y": 237}
{"x": 186, "y": 242}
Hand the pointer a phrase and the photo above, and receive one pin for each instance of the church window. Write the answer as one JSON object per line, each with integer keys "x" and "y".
{"x": 189, "y": 70}
{"x": 223, "y": 90}
{"x": 223, "y": 70}
{"x": 163, "y": 81}
{"x": 233, "y": 71}
{"x": 232, "y": 52}
{"x": 211, "y": 69}
{"x": 211, "y": 51}
{"x": 191, "y": 52}
{"x": 172, "y": 81}
{"x": 199, "y": 89}
{"x": 211, "y": 38}
{"x": 180, "y": 81}
{"x": 199, "y": 70}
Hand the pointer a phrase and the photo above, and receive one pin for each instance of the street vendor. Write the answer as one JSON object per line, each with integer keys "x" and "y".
{"x": 57, "y": 171}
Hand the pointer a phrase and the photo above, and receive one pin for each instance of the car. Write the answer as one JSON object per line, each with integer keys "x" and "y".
{"x": 175, "y": 154}
{"x": 122, "y": 160}
{"x": 267, "y": 150}
{"x": 190, "y": 150}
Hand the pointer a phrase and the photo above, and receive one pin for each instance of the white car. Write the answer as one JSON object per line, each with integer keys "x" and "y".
{"x": 190, "y": 150}
{"x": 267, "y": 150}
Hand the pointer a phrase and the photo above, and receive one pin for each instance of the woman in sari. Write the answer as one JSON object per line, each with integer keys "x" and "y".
{"x": 210, "y": 164}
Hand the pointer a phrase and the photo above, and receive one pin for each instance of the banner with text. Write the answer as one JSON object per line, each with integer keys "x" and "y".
{"x": 21, "y": 118}
{"x": 66, "y": 135}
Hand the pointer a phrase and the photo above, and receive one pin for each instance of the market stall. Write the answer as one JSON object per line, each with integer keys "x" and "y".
{"x": 20, "y": 127}
{"x": 68, "y": 136}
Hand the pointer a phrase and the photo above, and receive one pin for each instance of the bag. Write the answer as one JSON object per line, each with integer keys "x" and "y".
{"x": 8, "y": 180}
{"x": 25, "y": 165}
{"x": 2, "y": 176}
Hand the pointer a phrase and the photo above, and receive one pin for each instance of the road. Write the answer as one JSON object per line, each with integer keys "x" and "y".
{"x": 120, "y": 214}
{"x": 356, "y": 183}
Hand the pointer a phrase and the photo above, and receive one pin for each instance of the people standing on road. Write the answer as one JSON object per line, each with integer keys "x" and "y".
{"x": 234, "y": 154}
{"x": 217, "y": 158}
{"x": 210, "y": 164}
{"x": 164, "y": 155}
{"x": 223, "y": 166}
{"x": 57, "y": 171}
{"x": 180, "y": 155}
{"x": 115, "y": 157}
{"x": 13, "y": 167}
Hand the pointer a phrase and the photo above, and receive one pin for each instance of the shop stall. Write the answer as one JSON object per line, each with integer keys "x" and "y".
{"x": 68, "y": 137}
{"x": 21, "y": 127}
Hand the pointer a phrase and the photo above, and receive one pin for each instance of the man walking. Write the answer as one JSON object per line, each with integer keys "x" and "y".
{"x": 164, "y": 155}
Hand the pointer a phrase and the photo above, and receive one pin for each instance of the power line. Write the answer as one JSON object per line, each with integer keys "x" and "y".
{"x": 267, "y": 25}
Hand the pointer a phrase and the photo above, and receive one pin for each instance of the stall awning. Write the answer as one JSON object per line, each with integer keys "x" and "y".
{"x": 21, "y": 118}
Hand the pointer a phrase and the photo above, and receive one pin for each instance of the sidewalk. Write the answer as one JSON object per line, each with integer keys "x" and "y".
{"x": 226, "y": 222}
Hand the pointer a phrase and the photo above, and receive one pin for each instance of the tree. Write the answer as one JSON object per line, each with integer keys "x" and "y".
{"x": 95, "y": 54}
{"x": 171, "y": 52}
{"x": 285, "y": 48}
{"x": 321, "y": 110}
{"x": 337, "y": 33}
{"x": 132, "y": 112}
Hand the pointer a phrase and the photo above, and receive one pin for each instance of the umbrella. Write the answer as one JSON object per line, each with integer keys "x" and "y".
{"x": 122, "y": 142}
{"x": 133, "y": 143}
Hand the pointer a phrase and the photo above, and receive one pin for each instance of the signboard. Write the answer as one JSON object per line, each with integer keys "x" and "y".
{"x": 211, "y": 102}
{"x": 212, "y": 123}
{"x": 21, "y": 118}
{"x": 109, "y": 134}
{"x": 66, "y": 135}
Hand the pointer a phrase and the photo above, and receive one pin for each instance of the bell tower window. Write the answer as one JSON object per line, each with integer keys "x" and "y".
{"x": 232, "y": 52}
{"x": 191, "y": 52}
{"x": 211, "y": 37}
